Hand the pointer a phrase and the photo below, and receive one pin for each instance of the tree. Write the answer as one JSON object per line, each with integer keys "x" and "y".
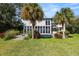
{"x": 65, "y": 17}
{"x": 33, "y": 12}
{"x": 60, "y": 19}
{"x": 7, "y": 13}
{"x": 68, "y": 13}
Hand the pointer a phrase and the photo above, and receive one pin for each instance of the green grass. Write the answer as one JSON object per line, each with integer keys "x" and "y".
{"x": 40, "y": 47}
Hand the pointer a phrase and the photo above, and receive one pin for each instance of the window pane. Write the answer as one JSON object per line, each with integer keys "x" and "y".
{"x": 30, "y": 28}
{"x": 36, "y": 28}
{"x": 40, "y": 29}
{"x": 43, "y": 29}
{"x": 47, "y": 29}
{"x": 47, "y": 22}
{"x": 27, "y": 28}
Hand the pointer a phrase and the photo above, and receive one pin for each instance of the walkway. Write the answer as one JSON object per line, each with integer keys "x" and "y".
{"x": 20, "y": 37}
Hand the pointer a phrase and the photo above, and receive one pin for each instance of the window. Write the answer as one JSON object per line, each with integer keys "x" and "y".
{"x": 30, "y": 28}
{"x": 47, "y": 22}
{"x": 40, "y": 29}
{"x": 36, "y": 28}
{"x": 47, "y": 29}
{"x": 43, "y": 29}
{"x": 27, "y": 28}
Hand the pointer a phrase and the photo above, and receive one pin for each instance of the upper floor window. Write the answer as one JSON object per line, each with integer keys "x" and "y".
{"x": 47, "y": 22}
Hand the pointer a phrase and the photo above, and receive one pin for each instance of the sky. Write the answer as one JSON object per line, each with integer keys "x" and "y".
{"x": 51, "y": 8}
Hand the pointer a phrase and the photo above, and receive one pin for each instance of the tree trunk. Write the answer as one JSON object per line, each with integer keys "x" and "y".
{"x": 33, "y": 31}
{"x": 63, "y": 31}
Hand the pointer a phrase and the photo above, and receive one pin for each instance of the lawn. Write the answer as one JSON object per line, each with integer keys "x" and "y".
{"x": 40, "y": 47}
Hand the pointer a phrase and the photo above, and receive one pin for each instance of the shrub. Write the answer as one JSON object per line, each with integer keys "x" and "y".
{"x": 29, "y": 35}
{"x": 36, "y": 35}
{"x": 67, "y": 32}
{"x": 10, "y": 34}
{"x": 58, "y": 35}
{"x": 26, "y": 38}
{"x": 1, "y": 34}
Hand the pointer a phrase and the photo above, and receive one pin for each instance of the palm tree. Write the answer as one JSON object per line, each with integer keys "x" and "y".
{"x": 64, "y": 16}
{"x": 67, "y": 12}
{"x": 60, "y": 19}
{"x": 32, "y": 12}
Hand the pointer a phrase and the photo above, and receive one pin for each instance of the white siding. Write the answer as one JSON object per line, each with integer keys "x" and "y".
{"x": 38, "y": 23}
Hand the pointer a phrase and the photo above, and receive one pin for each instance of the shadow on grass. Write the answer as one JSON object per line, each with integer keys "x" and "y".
{"x": 70, "y": 36}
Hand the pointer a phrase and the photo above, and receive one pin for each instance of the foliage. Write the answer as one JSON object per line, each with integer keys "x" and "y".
{"x": 68, "y": 13}
{"x": 65, "y": 17}
{"x": 60, "y": 34}
{"x": 29, "y": 35}
{"x": 1, "y": 34}
{"x": 36, "y": 35}
{"x": 7, "y": 12}
{"x": 33, "y": 12}
{"x": 26, "y": 38}
{"x": 8, "y": 17}
{"x": 74, "y": 27}
{"x": 10, "y": 34}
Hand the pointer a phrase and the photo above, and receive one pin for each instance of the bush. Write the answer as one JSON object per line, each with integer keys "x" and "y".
{"x": 27, "y": 38}
{"x": 58, "y": 35}
{"x": 67, "y": 32}
{"x": 1, "y": 34}
{"x": 10, "y": 34}
{"x": 36, "y": 35}
{"x": 29, "y": 35}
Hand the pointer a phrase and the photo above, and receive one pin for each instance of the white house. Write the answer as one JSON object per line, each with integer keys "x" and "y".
{"x": 44, "y": 27}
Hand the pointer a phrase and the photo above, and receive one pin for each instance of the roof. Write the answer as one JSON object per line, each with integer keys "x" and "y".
{"x": 47, "y": 18}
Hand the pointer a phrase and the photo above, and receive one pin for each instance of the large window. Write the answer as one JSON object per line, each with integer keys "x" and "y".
{"x": 36, "y": 28}
{"x": 40, "y": 29}
{"x": 47, "y": 22}
{"x": 43, "y": 29}
{"x": 47, "y": 29}
{"x": 29, "y": 28}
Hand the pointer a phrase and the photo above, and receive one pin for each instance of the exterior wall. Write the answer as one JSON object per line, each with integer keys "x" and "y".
{"x": 46, "y": 29}
{"x": 38, "y": 23}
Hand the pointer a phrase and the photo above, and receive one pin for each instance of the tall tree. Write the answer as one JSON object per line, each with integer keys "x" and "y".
{"x": 33, "y": 12}
{"x": 60, "y": 19}
{"x": 68, "y": 13}
{"x": 7, "y": 13}
{"x": 64, "y": 16}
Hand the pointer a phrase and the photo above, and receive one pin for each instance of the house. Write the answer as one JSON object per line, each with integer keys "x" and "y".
{"x": 44, "y": 27}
